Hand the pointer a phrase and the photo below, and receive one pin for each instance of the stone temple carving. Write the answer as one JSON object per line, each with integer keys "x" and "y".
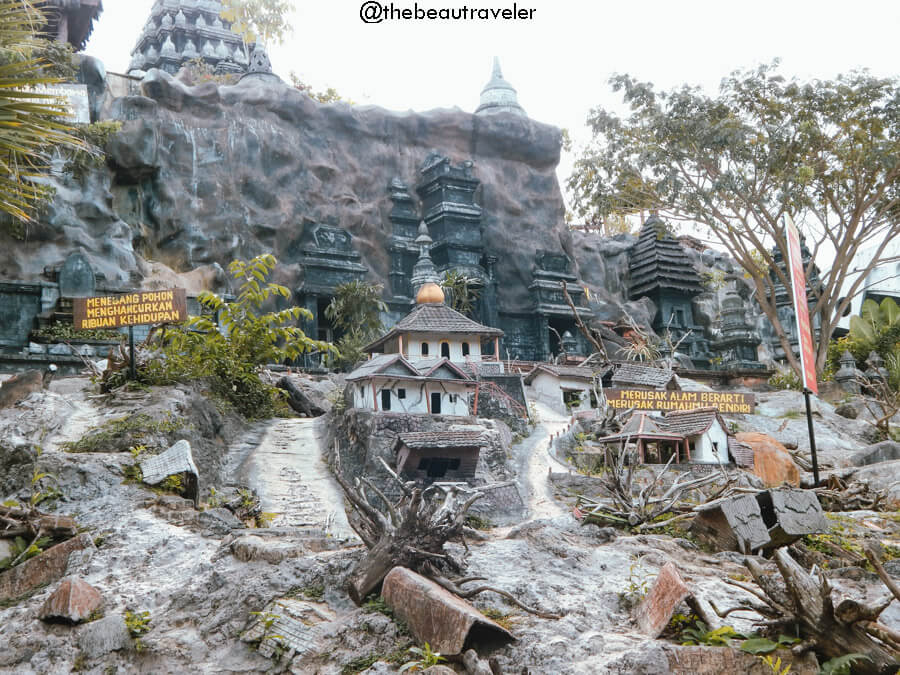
{"x": 180, "y": 30}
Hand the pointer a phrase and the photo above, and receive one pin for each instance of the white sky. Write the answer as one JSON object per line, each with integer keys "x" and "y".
{"x": 560, "y": 60}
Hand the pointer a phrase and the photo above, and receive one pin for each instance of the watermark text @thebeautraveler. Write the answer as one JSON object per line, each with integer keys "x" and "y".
{"x": 372, "y": 11}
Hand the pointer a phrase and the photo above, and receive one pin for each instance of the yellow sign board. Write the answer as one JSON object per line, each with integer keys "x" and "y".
{"x": 641, "y": 399}
{"x": 130, "y": 309}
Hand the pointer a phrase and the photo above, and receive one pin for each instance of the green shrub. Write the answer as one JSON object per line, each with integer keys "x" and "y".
{"x": 786, "y": 379}
{"x": 231, "y": 357}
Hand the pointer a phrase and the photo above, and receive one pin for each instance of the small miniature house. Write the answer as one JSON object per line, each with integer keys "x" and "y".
{"x": 438, "y": 455}
{"x": 566, "y": 389}
{"x": 391, "y": 383}
{"x": 699, "y": 436}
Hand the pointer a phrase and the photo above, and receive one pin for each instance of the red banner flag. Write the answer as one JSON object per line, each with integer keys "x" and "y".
{"x": 801, "y": 308}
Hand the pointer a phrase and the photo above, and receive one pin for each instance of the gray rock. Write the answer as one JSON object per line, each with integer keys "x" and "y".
{"x": 219, "y": 521}
{"x": 103, "y": 636}
{"x": 847, "y": 410}
{"x": 651, "y": 660}
{"x": 36, "y": 348}
{"x": 885, "y": 451}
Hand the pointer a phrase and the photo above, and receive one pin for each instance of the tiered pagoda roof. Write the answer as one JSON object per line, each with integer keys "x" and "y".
{"x": 181, "y": 30}
{"x": 659, "y": 263}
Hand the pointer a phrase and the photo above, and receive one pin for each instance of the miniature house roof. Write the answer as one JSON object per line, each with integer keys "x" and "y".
{"x": 396, "y": 366}
{"x": 692, "y": 422}
{"x": 638, "y": 374}
{"x": 426, "y": 440}
{"x": 434, "y": 318}
{"x": 569, "y": 372}
{"x": 642, "y": 426}
{"x": 659, "y": 263}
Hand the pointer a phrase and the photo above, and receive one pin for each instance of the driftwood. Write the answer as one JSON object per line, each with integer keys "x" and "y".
{"x": 803, "y": 603}
{"x": 34, "y": 525}
{"x": 17, "y": 522}
{"x": 842, "y": 494}
{"x": 411, "y": 532}
{"x": 637, "y": 507}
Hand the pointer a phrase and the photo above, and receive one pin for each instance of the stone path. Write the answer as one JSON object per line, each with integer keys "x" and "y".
{"x": 288, "y": 472}
{"x": 535, "y": 462}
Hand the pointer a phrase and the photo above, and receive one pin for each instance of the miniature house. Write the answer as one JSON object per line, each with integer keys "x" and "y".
{"x": 429, "y": 356}
{"x": 434, "y": 330}
{"x": 444, "y": 455}
{"x": 566, "y": 389}
{"x": 391, "y": 383}
{"x": 699, "y": 436}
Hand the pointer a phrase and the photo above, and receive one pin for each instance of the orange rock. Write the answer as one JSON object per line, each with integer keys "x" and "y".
{"x": 73, "y": 601}
{"x": 771, "y": 460}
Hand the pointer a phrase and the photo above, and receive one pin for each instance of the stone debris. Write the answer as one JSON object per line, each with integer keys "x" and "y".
{"x": 73, "y": 601}
{"x": 103, "y": 636}
{"x": 435, "y": 615}
{"x": 42, "y": 569}
{"x": 764, "y": 520}
{"x": 657, "y": 607}
{"x": 175, "y": 460}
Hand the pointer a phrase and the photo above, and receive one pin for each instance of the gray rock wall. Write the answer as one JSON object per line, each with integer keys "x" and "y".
{"x": 211, "y": 173}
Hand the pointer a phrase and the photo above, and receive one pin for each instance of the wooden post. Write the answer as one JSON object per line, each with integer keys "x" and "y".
{"x": 427, "y": 398}
{"x": 132, "y": 371}
{"x": 496, "y": 349}
{"x": 641, "y": 451}
{"x": 400, "y": 343}
{"x": 475, "y": 407}
{"x": 374, "y": 396}
{"x": 812, "y": 438}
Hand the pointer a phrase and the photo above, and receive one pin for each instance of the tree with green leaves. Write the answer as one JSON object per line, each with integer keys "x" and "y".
{"x": 248, "y": 339}
{"x": 263, "y": 22}
{"x": 31, "y": 122}
{"x": 463, "y": 290}
{"x": 733, "y": 165}
{"x": 356, "y": 310}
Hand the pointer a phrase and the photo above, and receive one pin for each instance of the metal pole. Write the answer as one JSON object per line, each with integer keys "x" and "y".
{"x": 812, "y": 438}
{"x": 132, "y": 372}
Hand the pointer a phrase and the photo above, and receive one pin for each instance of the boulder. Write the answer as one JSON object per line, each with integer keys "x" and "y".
{"x": 847, "y": 410}
{"x": 771, "y": 460}
{"x": 42, "y": 569}
{"x": 103, "y": 636}
{"x": 73, "y": 601}
{"x": 886, "y": 451}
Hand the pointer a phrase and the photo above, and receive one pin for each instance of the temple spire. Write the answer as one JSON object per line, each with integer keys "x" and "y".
{"x": 499, "y": 95}
{"x": 424, "y": 276}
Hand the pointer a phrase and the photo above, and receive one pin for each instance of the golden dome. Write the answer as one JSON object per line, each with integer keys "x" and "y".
{"x": 430, "y": 292}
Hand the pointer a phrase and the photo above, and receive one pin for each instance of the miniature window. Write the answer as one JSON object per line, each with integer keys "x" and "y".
{"x": 465, "y": 348}
{"x": 445, "y": 350}
{"x": 424, "y": 349}
{"x": 401, "y": 393}
{"x": 385, "y": 399}
{"x": 452, "y": 398}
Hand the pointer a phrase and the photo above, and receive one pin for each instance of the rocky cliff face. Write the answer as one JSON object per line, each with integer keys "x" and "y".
{"x": 210, "y": 173}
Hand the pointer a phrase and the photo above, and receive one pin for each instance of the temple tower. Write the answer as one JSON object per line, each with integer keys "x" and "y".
{"x": 737, "y": 343}
{"x": 659, "y": 269}
{"x": 452, "y": 216}
{"x": 181, "y": 30}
